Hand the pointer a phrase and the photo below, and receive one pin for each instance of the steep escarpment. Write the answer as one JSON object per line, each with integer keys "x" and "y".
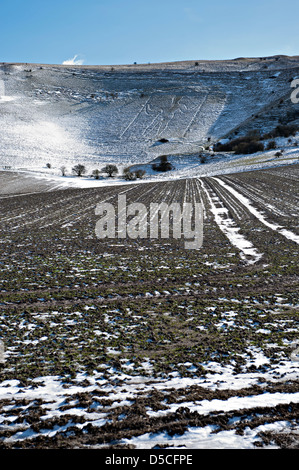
{"x": 60, "y": 114}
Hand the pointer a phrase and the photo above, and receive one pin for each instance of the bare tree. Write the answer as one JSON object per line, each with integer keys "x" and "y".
{"x": 79, "y": 169}
{"x": 63, "y": 170}
{"x": 96, "y": 174}
{"x": 110, "y": 170}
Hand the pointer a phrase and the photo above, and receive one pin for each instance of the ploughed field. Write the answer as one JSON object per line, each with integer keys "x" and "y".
{"x": 142, "y": 343}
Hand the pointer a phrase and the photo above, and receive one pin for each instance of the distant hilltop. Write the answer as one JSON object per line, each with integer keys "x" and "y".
{"x": 217, "y": 63}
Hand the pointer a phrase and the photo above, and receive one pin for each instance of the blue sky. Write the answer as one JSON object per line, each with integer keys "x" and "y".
{"x": 127, "y": 31}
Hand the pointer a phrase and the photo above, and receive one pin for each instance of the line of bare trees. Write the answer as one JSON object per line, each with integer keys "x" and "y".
{"x": 110, "y": 170}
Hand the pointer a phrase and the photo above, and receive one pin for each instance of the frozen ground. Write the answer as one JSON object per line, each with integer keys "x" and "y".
{"x": 142, "y": 343}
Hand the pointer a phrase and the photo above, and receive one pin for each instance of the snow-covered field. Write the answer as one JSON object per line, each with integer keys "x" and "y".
{"x": 143, "y": 344}
{"x": 184, "y": 166}
{"x": 140, "y": 343}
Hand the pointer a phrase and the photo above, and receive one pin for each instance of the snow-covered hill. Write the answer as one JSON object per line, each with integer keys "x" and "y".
{"x": 64, "y": 115}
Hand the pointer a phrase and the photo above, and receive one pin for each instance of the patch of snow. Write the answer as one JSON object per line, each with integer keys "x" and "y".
{"x": 247, "y": 203}
{"x": 248, "y": 252}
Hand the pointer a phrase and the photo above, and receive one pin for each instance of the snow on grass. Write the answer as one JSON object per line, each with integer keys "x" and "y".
{"x": 227, "y": 225}
{"x": 185, "y": 160}
{"x": 248, "y": 204}
{"x": 206, "y": 438}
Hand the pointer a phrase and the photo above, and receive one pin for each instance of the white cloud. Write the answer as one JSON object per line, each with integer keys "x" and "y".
{"x": 73, "y": 61}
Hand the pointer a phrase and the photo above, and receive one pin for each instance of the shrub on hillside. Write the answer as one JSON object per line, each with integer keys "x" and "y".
{"x": 164, "y": 164}
{"x": 129, "y": 175}
{"x": 249, "y": 147}
{"x": 96, "y": 174}
{"x": 133, "y": 175}
{"x": 253, "y": 140}
{"x": 282, "y": 131}
{"x": 271, "y": 145}
{"x": 245, "y": 145}
{"x": 139, "y": 174}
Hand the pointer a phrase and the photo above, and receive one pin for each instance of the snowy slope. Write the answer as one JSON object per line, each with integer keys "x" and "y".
{"x": 94, "y": 115}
